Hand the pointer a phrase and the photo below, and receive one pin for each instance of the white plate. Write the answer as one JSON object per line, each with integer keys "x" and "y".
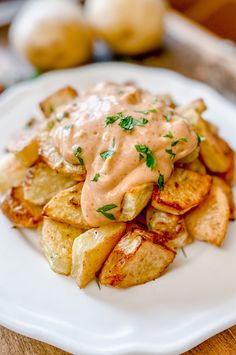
{"x": 191, "y": 302}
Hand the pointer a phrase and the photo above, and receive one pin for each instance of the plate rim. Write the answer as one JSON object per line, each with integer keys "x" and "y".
{"x": 50, "y": 336}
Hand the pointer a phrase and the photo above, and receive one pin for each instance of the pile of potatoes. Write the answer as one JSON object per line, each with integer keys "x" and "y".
{"x": 41, "y": 190}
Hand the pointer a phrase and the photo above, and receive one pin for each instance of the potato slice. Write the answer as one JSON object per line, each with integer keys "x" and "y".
{"x": 42, "y": 183}
{"x": 184, "y": 190}
{"x": 229, "y": 193}
{"x": 230, "y": 175}
{"x": 65, "y": 207}
{"x": 12, "y": 172}
{"x": 190, "y": 157}
{"x": 168, "y": 227}
{"x": 197, "y": 166}
{"x": 198, "y": 105}
{"x": 135, "y": 200}
{"x": 56, "y": 162}
{"x": 209, "y": 221}
{"x": 25, "y": 147}
{"x": 91, "y": 250}
{"x": 56, "y": 240}
{"x": 22, "y": 213}
{"x": 136, "y": 259}
{"x": 59, "y": 98}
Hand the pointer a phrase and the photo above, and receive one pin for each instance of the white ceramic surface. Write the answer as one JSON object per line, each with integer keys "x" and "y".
{"x": 195, "y": 299}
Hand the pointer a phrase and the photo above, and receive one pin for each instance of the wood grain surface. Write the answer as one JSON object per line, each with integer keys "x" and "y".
{"x": 14, "y": 344}
{"x": 179, "y": 54}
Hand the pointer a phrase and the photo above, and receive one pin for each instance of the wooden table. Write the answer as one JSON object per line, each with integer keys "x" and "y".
{"x": 206, "y": 59}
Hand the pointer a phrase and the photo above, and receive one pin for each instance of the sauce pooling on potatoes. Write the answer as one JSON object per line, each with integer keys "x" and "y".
{"x": 125, "y": 137}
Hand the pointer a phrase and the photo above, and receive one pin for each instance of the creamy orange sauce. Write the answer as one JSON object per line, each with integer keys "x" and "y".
{"x": 86, "y": 128}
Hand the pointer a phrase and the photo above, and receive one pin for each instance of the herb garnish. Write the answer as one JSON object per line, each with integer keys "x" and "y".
{"x": 145, "y": 151}
{"x": 96, "y": 177}
{"x": 161, "y": 182}
{"x": 171, "y": 153}
{"x": 200, "y": 138}
{"x": 168, "y": 117}
{"x": 98, "y": 283}
{"x": 183, "y": 139}
{"x": 68, "y": 126}
{"x": 106, "y": 208}
{"x": 128, "y": 123}
{"x": 112, "y": 119}
{"x": 108, "y": 153}
{"x": 168, "y": 135}
{"x": 77, "y": 154}
{"x": 146, "y": 112}
{"x": 184, "y": 252}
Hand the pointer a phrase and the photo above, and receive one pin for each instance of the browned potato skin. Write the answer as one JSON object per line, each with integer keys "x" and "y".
{"x": 12, "y": 172}
{"x": 136, "y": 259}
{"x": 184, "y": 190}
{"x": 23, "y": 214}
{"x": 42, "y": 183}
{"x": 66, "y": 207}
{"x": 57, "y": 99}
{"x": 229, "y": 193}
{"x": 209, "y": 221}
{"x": 169, "y": 228}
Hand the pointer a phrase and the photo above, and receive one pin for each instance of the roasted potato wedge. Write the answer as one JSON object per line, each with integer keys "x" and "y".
{"x": 65, "y": 207}
{"x": 56, "y": 162}
{"x": 229, "y": 193}
{"x": 56, "y": 240}
{"x": 135, "y": 200}
{"x": 91, "y": 250}
{"x": 169, "y": 228}
{"x": 59, "y": 98}
{"x": 198, "y": 105}
{"x": 22, "y": 213}
{"x": 209, "y": 221}
{"x": 42, "y": 183}
{"x": 135, "y": 260}
{"x": 12, "y": 172}
{"x": 25, "y": 147}
{"x": 196, "y": 165}
{"x": 228, "y": 176}
{"x": 184, "y": 190}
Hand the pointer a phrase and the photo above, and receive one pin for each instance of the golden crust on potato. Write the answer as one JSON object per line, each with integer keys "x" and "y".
{"x": 91, "y": 249}
{"x": 184, "y": 190}
{"x": 169, "y": 228}
{"x": 135, "y": 200}
{"x": 56, "y": 240}
{"x": 22, "y": 213}
{"x": 136, "y": 259}
{"x": 25, "y": 147}
{"x": 66, "y": 207}
{"x": 229, "y": 193}
{"x": 59, "y": 98}
{"x": 56, "y": 162}
{"x": 12, "y": 172}
{"x": 209, "y": 221}
{"x": 42, "y": 183}
{"x": 196, "y": 165}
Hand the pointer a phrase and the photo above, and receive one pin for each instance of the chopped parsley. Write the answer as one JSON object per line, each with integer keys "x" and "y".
{"x": 68, "y": 126}
{"x": 143, "y": 151}
{"x": 98, "y": 283}
{"x": 168, "y": 135}
{"x": 175, "y": 142}
{"x": 161, "y": 182}
{"x": 106, "y": 208}
{"x": 126, "y": 122}
{"x": 77, "y": 154}
{"x": 168, "y": 117}
{"x": 96, "y": 177}
{"x": 171, "y": 153}
{"x": 108, "y": 153}
{"x": 146, "y": 112}
{"x": 184, "y": 252}
{"x": 200, "y": 138}
{"x": 50, "y": 124}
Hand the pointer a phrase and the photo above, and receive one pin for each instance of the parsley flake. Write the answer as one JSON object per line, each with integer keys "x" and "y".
{"x": 161, "y": 182}
{"x": 168, "y": 117}
{"x": 184, "y": 252}
{"x": 112, "y": 119}
{"x": 77, "y": 154}
{"x": 96, "y": 177}
{"x": 68, "y": 126}
{"x": 108, "y": 153}
{"x": 146, "y": 112}
{"x": 143, "y": 151}
{"x": 174, "y": 143}
{"x": 171, "y": 153}
{"x": 128, "y": 123}
{"x": 168, "y": 135}
{"x": 106, "y": 208}
{"x": 200, "y": 138}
